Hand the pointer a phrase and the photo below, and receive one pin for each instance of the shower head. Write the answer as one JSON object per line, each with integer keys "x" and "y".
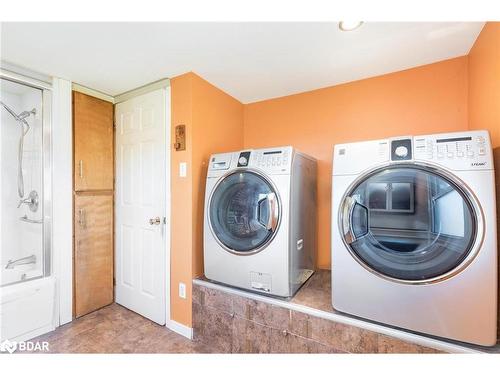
{"x": 25, "y": 114}
{"x": 20, "y": 117}
{"x": 7, "y": 108}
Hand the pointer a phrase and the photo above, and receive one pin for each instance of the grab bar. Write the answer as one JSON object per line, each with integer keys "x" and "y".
{"x": 31, "y": 259}
{"x": 25, "y": 219}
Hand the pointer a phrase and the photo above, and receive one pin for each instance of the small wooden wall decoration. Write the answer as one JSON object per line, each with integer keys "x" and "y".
{"x": 180, "y": 138}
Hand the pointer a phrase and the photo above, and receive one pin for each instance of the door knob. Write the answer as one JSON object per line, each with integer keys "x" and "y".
{"x": 155, "y": 221}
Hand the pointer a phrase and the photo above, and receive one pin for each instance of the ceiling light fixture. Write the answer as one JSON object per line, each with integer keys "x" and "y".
{"x": 349, "y": 25}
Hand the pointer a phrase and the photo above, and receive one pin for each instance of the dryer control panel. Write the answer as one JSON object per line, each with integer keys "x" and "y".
{"x": 450, "y": 148}
{"x": 468, "y": 150}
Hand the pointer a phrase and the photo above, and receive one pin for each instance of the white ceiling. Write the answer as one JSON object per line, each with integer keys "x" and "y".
{"x": 250, "y": 61}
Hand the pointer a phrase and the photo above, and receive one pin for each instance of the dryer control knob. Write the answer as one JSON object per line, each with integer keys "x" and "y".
{"x": 242, "y": 160}
{"x": 401, "y": 151}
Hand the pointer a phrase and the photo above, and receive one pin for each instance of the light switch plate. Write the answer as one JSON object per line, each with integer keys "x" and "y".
{"x": 182, "y": 169}
{"x": 182, "y": 290}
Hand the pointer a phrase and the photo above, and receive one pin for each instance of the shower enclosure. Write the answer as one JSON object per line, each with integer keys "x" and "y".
{"x": 24, "y": 193}
{"x": 25, "y": 207}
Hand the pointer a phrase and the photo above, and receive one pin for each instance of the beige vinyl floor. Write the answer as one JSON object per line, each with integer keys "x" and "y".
{"x": 115, "y": 329}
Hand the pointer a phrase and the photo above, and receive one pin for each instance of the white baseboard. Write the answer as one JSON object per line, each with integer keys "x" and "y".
{"x": 179, "y": 328}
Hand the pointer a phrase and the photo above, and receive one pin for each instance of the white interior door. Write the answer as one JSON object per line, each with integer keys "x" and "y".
{"x": 141, "y": 204}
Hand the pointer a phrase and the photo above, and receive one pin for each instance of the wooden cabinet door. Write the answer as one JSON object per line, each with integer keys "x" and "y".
{"x": 93, "y": 135}
{"x": 93, "y": 257}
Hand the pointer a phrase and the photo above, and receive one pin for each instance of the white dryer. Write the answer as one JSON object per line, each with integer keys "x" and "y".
{"x": 260, "y": 215}
{"x": 414, "y": 241}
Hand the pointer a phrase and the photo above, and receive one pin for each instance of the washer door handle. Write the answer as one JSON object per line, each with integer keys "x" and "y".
{"x": 272, "y": 221}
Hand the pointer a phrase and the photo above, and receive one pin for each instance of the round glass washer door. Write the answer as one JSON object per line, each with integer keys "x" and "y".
{"x": 244, "y": 212}
{"x": 409, "y": 223}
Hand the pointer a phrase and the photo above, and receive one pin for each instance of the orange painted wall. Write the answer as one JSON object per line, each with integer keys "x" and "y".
{"x": 218, "y": 120}
{"x": 426, "y": 99}
{"x": 484, "y": 98}
{"x": 214, "y": 123}
{"x": 181, "y": 205}
{"x": 451, "y": 95}
{"x": 484, "y": 82}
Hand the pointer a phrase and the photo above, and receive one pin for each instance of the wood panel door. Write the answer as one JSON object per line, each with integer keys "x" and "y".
{"x": 93, "y": 257}
{"x": 93, "y": 143}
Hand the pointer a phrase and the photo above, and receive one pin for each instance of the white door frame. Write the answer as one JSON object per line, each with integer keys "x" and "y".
{"x": 168, "y": 198}
{"x": 169, "y": 323}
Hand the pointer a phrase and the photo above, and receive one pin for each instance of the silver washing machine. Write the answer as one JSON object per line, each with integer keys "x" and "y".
{"x": 260, "y": 220}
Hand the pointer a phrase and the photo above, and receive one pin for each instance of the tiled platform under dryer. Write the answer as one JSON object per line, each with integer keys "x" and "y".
{"x": 232, "y": 320}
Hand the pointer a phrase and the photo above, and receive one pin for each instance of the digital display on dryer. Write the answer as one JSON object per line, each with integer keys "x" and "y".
{"x": 453, "y": 139}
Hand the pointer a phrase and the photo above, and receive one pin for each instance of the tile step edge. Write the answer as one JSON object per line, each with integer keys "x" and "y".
{"x": 381, "y": 329}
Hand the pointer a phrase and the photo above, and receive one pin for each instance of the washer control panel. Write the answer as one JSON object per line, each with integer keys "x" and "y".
{"x": 272, "y": 159}
{"x": 244, "y": 158}
{"x": 276, "y": 160}
{"x": 220, "y": 162}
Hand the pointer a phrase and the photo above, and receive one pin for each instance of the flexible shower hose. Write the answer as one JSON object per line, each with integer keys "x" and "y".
{"x": 21, "y": 119}
{"x": 20, "y": 178}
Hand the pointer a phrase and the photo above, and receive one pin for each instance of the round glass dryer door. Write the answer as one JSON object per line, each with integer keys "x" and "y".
{"x": 409, "y": 223}
{"x": 244, "y": 212}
